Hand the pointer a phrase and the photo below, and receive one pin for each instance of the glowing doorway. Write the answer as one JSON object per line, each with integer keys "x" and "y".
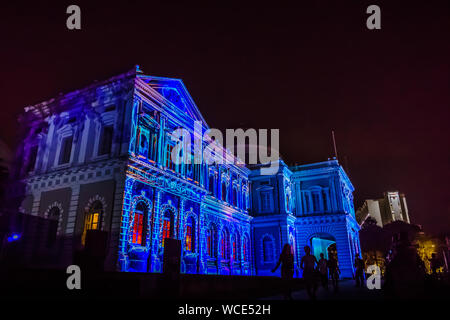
{"x": 323, "y": 243}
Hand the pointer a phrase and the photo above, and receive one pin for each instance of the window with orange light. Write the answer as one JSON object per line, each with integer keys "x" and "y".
{"x": 138, "y": 228}
{"x": 190, "y": 235}
{"x": 92, "y": 222}
{"x": 167, "y": 227}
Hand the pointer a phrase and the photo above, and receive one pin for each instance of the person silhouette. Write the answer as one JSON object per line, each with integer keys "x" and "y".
{"x": 359, "y": 271}
{"x": 323, "y": 270}
{"x": 307, "y": 264}
{"x": 287, "y": 269}
{"x": 434, "y": 264}
{"x": 334, "y": 271}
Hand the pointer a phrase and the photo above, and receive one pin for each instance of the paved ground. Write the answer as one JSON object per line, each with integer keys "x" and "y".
{"x": 347, "y": 291}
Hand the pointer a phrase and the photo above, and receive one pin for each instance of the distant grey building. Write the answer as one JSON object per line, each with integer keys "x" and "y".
{"x": 392, "y": 207}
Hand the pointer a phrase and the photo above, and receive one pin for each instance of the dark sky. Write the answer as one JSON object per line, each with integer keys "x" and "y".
{"x": 305, "y": 69}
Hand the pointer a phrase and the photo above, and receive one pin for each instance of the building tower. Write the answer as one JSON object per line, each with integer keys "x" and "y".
{"x": 307, "y": 205}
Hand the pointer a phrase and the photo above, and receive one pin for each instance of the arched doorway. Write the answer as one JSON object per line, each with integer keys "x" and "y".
{"x": 323, "y": 243}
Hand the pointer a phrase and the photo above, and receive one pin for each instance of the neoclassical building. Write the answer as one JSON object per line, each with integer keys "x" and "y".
{"x": 100, "y": 158}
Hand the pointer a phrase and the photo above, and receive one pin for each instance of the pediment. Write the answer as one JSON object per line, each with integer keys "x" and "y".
{"x": 176, "y": 95}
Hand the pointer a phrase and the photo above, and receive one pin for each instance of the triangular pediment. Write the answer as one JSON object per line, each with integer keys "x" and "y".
{"x": 176, "y": 95}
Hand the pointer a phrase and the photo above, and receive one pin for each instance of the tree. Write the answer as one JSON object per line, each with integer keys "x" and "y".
{"x": 375, "y": 243}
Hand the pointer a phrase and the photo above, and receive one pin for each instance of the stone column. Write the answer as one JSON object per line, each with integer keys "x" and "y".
{"x": 124, "y": 225}
{"x": 202, "y": 241}
{"x": 155, "y": 263}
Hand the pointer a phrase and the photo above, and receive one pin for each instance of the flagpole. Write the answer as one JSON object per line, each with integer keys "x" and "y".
{"x": 334, "y": 145}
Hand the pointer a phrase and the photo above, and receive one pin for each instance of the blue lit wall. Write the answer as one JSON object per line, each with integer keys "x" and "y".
{"x": 209, "y": 202}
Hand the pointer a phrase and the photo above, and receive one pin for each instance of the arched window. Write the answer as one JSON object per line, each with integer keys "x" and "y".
{"x": 54, "y": 213}
{"x": 168, "y": 227}
{"x": 267, "y": 249}
{"x": 190, "y": 235}
{"x": 93, "y": 219}
{"x": 211, "y": 241}
{"x": 224, "y": 245}
{"x": 139, "y": 235}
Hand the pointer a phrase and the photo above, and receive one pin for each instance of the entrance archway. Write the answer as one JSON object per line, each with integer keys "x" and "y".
{"x": 323, "y": 243}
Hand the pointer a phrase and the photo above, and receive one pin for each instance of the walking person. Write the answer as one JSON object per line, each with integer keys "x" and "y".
{"x": 287, "y": 269}
{"x": 359, "y": 271}
{"x": 307, "y": 264}
{"x": 323, "y": 270}
{"x": 333, "y": 268}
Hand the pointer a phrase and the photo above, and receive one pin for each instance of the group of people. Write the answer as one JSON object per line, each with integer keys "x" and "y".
{"x": 314, "y": 270}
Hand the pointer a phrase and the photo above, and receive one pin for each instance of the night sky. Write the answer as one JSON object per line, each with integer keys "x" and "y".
{"x": 305, "y": 69}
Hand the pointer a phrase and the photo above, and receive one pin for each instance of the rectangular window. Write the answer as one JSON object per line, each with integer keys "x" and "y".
{"x": 153, "y": 147}
{"x": 143, "y": 146}
{"x": 106, "y": 140}
{"x": 138, "y": 228}
{"x": 208, "y": 244}
{"x": 189, "y": 238}
{"x": 92, "y": 222}
{"x": 316, "y": 201}
{"x": 66, "y": 150}
{"x": 166, "y": 230}
{"x": 169, "y": 163}
{"x": 32, "y": 159}
{"x": 265, "y": 201}
{"x": 325, "y": 201}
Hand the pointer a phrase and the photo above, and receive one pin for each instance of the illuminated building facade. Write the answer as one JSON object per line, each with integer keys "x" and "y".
{"x": 99, "y": 158}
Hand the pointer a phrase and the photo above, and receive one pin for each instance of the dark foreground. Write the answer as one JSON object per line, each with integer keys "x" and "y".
{"x": 52, "y": 284}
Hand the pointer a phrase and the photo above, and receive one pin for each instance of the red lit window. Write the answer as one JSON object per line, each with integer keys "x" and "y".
{"x": 138, "y": 226}
{"x": 166, "y": 230}
{"x": 234, "y": 250}
{"x": 209, "y": 244}
{"x": 139, "y": 229}
{"x": 190, "y": 239}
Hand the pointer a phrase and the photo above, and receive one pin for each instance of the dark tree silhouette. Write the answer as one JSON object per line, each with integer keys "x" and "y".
{"x": 375, "y": 243}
